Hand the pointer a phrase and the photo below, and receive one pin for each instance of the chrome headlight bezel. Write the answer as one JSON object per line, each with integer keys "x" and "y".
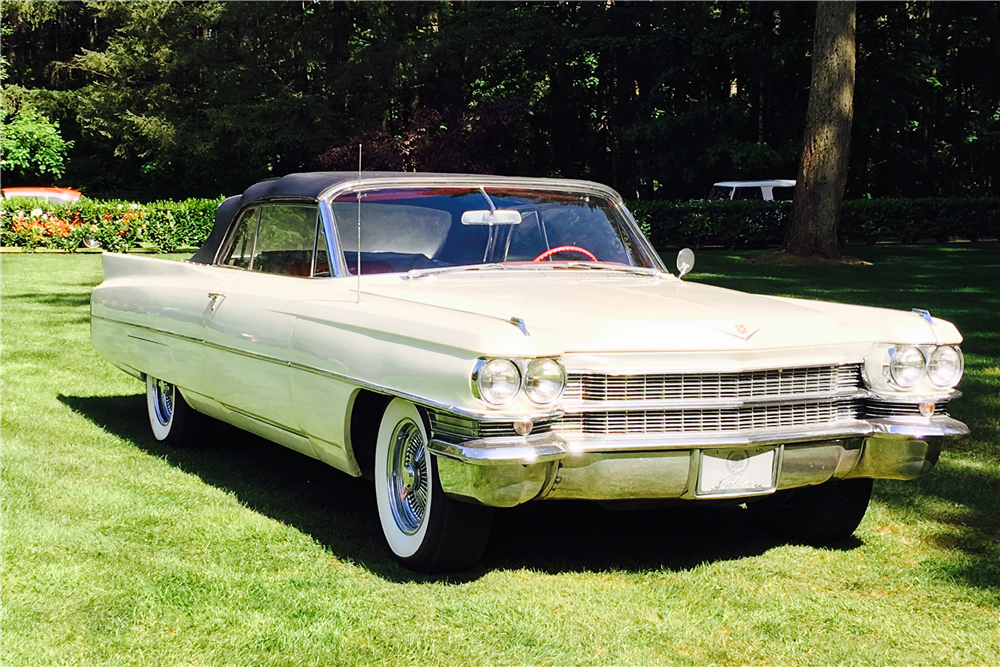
{"x": 957, "y": 363}
{"x": 920, "y": 367}
{"x": 487, "y": 369}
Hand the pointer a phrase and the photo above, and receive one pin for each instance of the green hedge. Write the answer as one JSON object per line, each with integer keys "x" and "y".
{"x": 758, "y": 224}
{"x": 120, "y": 225}
{"x": 117, "y": 225}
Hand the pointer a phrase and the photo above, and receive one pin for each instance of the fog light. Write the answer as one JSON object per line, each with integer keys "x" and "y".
{"x": 926, "y": 409}
{"x": 523, "y": 426}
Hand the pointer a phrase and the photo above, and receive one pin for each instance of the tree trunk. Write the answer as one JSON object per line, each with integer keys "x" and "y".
{"x": 822, "y": 175}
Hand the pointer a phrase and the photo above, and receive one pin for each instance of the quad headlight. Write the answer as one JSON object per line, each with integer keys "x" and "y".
{"x": 498, "y": 382}
{"x": 909, "y": 365}
{"x": 544, "y": 380}
{"x": 946, "y": 366}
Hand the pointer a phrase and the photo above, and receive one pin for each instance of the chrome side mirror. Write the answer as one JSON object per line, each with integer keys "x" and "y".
{"x": 685, "y": 262}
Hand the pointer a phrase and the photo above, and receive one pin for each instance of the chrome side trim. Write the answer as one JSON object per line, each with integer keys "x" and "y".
{"x": 381, "y": 389}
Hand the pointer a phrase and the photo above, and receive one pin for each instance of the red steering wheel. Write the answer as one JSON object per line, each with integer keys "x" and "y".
{"x": 565, "y": 248}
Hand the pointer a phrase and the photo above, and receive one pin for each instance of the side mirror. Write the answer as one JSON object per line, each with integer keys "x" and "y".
{"x": 685, "y": 262}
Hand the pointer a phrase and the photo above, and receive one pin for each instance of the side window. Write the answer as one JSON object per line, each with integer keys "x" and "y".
{"x": 285, "y": 240}
{"x": 748, "y": 193}
{"x": 239, "y": 250}
{"x": 322, "y": 268}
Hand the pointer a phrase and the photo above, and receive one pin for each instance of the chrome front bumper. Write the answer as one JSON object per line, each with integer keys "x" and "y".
{"x": 509, "y": 471}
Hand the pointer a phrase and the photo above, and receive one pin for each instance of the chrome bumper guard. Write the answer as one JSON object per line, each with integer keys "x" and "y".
{"x": 509, "y": 471}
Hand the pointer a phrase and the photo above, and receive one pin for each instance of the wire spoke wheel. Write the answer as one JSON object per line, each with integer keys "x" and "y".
{"x": 408, "y": 477}
{"x": 425, "y": 529}
{"x": 163, "y": 401}
{"x": 173, "y": 422}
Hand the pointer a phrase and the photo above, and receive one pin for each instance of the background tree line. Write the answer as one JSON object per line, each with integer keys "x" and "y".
{"x": 195, "y": 99}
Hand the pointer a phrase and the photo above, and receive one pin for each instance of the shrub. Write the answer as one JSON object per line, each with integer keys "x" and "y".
{"x": 757, "y": 224}
{"x": 117, "y": 225}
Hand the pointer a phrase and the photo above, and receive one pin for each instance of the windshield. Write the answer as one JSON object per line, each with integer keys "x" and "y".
{"x": 423, "y": 228}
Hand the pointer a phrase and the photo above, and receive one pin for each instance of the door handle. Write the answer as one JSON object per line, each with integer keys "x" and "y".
{"x": 217, "y": 298}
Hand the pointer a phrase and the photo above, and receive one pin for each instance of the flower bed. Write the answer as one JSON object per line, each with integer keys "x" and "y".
{"x": 116, "y": 226}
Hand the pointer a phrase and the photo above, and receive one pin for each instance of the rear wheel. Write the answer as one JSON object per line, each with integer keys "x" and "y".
{"x": 426, "y": 530}
{"x": 816, "y": 515}
{"x": 173, "y": 421}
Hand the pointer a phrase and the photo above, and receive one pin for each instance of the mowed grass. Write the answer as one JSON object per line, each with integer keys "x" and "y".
{"x": 116, "y": 551}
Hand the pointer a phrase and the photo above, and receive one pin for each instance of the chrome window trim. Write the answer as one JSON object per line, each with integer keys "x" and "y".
{"x": 338, "y": 265}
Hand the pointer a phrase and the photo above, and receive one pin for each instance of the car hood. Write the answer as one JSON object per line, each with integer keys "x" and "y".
{"x": 585, "y": 310}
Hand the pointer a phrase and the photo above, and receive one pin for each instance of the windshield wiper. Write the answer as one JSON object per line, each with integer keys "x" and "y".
{"x": 414, "y": 274}
{"x": 603, "y": 266}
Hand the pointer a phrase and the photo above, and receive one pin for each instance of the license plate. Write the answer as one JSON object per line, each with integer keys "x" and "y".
{"x": 736, "y": 471}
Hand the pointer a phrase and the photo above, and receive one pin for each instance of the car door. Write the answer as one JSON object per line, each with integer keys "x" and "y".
{"x": 251, "y": 317}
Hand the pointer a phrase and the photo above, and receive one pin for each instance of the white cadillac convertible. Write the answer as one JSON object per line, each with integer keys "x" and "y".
{"x": 474, "y": 342}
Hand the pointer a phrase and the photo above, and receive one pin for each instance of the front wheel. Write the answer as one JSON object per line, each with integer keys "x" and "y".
{"x": 426, "y": 530}
{"x": 173, "y": 421}
{"x": 816, "y": 515}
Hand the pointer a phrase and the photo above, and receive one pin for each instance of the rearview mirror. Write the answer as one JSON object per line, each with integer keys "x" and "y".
{"x": 497, "y": 217}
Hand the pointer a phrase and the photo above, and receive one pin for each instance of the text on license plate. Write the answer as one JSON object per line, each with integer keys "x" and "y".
{"x": 744, "y": 470}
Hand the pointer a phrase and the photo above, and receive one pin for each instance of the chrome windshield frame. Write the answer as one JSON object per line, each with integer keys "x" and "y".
{"x": 368, "y": 183}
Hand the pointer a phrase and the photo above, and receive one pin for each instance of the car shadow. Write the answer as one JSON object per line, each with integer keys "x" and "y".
{"x": 339, "y": 513}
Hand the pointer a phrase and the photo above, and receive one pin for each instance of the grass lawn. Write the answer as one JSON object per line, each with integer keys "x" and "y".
{"x": 117, "y": 551}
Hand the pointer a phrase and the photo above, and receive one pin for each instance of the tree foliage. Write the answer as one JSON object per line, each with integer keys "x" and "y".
{"x": 656, "y": 99}
{"x": 30, "y": 144}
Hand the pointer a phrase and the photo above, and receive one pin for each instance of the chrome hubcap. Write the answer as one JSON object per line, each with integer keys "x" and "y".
{"x": 163, "y": 401}
{"x": 408, "y": 477}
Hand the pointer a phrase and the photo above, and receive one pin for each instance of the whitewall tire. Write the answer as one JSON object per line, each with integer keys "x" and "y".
{"x": 425, "y": 530}
{"x": 173, "y": 422}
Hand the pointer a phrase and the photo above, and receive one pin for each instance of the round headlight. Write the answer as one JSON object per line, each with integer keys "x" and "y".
{"x": 544, "y": 380}
{"x": 907, "y": 366}
{"x": 946, "y": 366}
{"x": 498, "y": 381}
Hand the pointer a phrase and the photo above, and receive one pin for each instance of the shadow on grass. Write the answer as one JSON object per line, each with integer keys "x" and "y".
{"x": 339, "y": 512}
{"x": 57, "y": 301}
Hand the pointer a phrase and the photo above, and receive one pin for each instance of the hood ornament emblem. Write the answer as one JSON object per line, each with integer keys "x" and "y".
{"x": 741, "y": 331}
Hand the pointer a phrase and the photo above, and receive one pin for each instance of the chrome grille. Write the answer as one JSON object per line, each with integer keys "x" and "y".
{"x": 875, "y": 408}
{"x": 450, "y": 426}
{"x": 774, "y": 383}
{"x": 712, "y": 420}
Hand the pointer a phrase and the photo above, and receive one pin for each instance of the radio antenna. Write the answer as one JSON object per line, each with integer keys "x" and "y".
{"x": 359, "y": 226}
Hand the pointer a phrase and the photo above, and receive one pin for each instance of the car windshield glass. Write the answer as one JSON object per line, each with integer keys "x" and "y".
{"x": 422, "y": 228}
{"x": 720, "y": 192}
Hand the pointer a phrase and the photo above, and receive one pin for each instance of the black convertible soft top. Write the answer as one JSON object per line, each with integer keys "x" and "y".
{"x": 293, "y": 186}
